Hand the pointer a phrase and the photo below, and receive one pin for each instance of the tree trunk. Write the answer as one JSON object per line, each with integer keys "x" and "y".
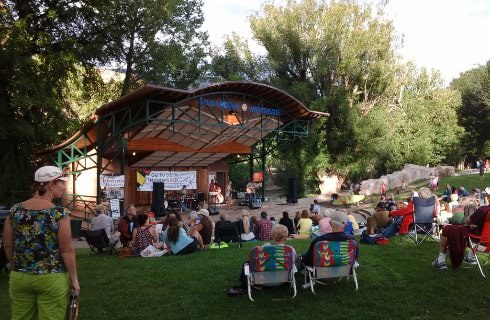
{"x": 129, "y": 65}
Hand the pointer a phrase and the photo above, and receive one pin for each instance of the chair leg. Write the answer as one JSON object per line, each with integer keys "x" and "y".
{"x": 249, "y": 288}
{"x": 295, "y": 291}
{"x": 312, "y": 283}
{"x": 355, "y": 277}
{"x": 475, "y": 253}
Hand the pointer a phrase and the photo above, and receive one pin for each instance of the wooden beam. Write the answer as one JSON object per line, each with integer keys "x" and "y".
{"x": 229, "y": 147}
{"x": 157, "y": 144}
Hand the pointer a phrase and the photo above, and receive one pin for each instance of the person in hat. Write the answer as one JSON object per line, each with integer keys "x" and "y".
{"x": 126, "y": 226}
{"x": 204, "y": 227}
{"x": 37, "y": 243}
{"x": 338, "y": 221}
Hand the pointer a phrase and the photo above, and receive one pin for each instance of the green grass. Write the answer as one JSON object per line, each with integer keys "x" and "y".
{"x": 396, "y": 281}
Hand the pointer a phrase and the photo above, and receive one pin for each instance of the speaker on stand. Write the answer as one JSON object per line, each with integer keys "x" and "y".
{"x": 292, "y": 197}
{"x": 158, "y": 199}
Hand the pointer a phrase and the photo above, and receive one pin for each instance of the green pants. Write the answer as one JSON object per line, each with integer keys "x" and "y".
{"x": 43, "y": 296}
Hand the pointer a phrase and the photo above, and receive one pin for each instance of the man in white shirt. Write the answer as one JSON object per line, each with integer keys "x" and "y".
{"x": 102, "y": 221}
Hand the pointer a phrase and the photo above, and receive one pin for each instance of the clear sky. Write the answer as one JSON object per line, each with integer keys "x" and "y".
{"x": 448, "y": 35}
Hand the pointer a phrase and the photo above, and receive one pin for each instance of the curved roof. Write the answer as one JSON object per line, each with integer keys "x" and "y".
{"x": 281, "y": 99}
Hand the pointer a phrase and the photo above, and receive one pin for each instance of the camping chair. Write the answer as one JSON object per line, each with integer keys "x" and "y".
{"x": 270, "y": 265}
{"x": 423, "y": 219}
{"x": 98, "y": 242}
{"x": 227, "y": 231}
{"x": 481, "y": 244}
{"x": 332, "y": 259}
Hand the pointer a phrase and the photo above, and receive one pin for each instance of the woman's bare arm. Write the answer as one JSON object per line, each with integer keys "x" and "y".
{"x": 68, "y": 253}
{"x": 8, "y": 241}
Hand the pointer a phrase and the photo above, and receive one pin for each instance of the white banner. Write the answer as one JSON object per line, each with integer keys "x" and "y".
{"x": 173, "y": 180}
{"x": 111, "y": 181}
{"x": 115, "y": 209}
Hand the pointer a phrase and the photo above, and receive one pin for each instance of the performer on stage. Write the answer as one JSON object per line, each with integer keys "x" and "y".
{"x": 250, "y": 195}
{"x": 213, "y": 192}
{"x": 228, "y": 189}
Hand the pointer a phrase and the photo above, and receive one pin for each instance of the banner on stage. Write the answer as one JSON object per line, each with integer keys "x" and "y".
{"x": 111, "y": 181}
{"x": 173, "y": 180}
{"x": 115, "y": 208}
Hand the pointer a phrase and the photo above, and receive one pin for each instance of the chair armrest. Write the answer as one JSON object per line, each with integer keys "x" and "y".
{"x": 471, "y": 235}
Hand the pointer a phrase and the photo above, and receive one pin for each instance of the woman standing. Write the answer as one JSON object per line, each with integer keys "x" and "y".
{"x": 37, "y": 242}
{"x": 228, "y": 189}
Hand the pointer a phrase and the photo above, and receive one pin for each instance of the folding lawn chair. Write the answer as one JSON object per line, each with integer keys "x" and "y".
{"x": 332, "y": 259}
{"x": 98, "y": 242}
{"x": 481, "y": 244}
{"x": 423, "y": 219}
{"x": 270, "y": 265}
{"x": 227, "y": 231}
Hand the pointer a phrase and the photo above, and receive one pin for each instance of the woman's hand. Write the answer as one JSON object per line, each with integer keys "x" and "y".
{"x": 75, "y": 287}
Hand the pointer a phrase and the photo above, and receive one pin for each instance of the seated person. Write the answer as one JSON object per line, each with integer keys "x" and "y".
{"x": 263, "y": 228}
{"x": 447, "y": 193}
{"x": 144, "y": 234}
{"x": 101, "y": 221}
{"x": 338, "y": 220}
{"x": 315, "y": 207}
{"x": 287, "y": 222}
{"x": 225, "y": 230}
{"x": 379, "y": 220}
{"x": 126, "y": 226}
{"x": 177, "y": 239}
{"x": 279, "y": 235}
{"x": 454, "y": 237}
{"x": 324, "y": 224}
{"x": 204, "y": 226}
{"x": 462, "y": 192}
{"x": 304, "y": 226}
{"x": 406, "y": 212}
{"x": 245, "y": 227}
{"x": 355, "y": 225}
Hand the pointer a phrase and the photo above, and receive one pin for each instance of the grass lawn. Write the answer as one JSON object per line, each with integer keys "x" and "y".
{"x": 396, "y": 281}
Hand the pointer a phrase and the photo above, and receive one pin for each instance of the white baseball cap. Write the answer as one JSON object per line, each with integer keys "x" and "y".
{"x": 49, "y": 173}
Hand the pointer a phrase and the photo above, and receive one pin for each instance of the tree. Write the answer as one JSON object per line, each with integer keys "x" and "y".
{"x": 156, "y": 41}
{"x": 340, "y": 57}
{"x": 474, "y": 111}
{"x": 41, "y": 43}
{"x": 235, "y": 61}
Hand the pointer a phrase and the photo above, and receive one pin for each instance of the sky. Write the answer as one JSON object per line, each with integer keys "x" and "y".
{"x": 451, "y": 36}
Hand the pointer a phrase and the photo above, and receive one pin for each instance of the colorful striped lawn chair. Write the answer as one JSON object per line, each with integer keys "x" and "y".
{"x": 270, "y": 265}
{"x": 332, "y": 259}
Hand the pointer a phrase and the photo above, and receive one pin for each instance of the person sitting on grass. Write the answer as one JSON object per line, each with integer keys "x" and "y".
{"x": 338, "y": 221}
{"x": 379, "y": 220}
{"x": 304, "y": 226}
{"x": 263, "y": 228}
{"x": 144, "y": 235}
{"x": 177, "y": 239}
{"x": 324, "y": 223}
{"x": 287, "y": 222}
{"x": 279, "y": 235}
{"x": 454, "y": 238}
{"x": 245, "y": 227}
{"x": 204, "y": 226}
{"x": 126, "y": 226}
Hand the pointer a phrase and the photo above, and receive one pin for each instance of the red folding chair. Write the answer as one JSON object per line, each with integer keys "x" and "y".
{"x": 481, "y": 243}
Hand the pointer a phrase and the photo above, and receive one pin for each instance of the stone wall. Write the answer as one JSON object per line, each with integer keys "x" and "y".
{"x": 409, "y": 173}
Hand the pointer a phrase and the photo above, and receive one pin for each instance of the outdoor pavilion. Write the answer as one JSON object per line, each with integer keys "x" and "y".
{"x": 159, "y": 128}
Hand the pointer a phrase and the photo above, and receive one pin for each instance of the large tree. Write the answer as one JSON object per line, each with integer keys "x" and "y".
{"x": 340, "y": 57}
{"x": 474, "y": 112}
{"x": 155, "y": 40}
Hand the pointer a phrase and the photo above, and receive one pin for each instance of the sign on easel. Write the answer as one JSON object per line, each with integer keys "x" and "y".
{"x": 115, "y": 208}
